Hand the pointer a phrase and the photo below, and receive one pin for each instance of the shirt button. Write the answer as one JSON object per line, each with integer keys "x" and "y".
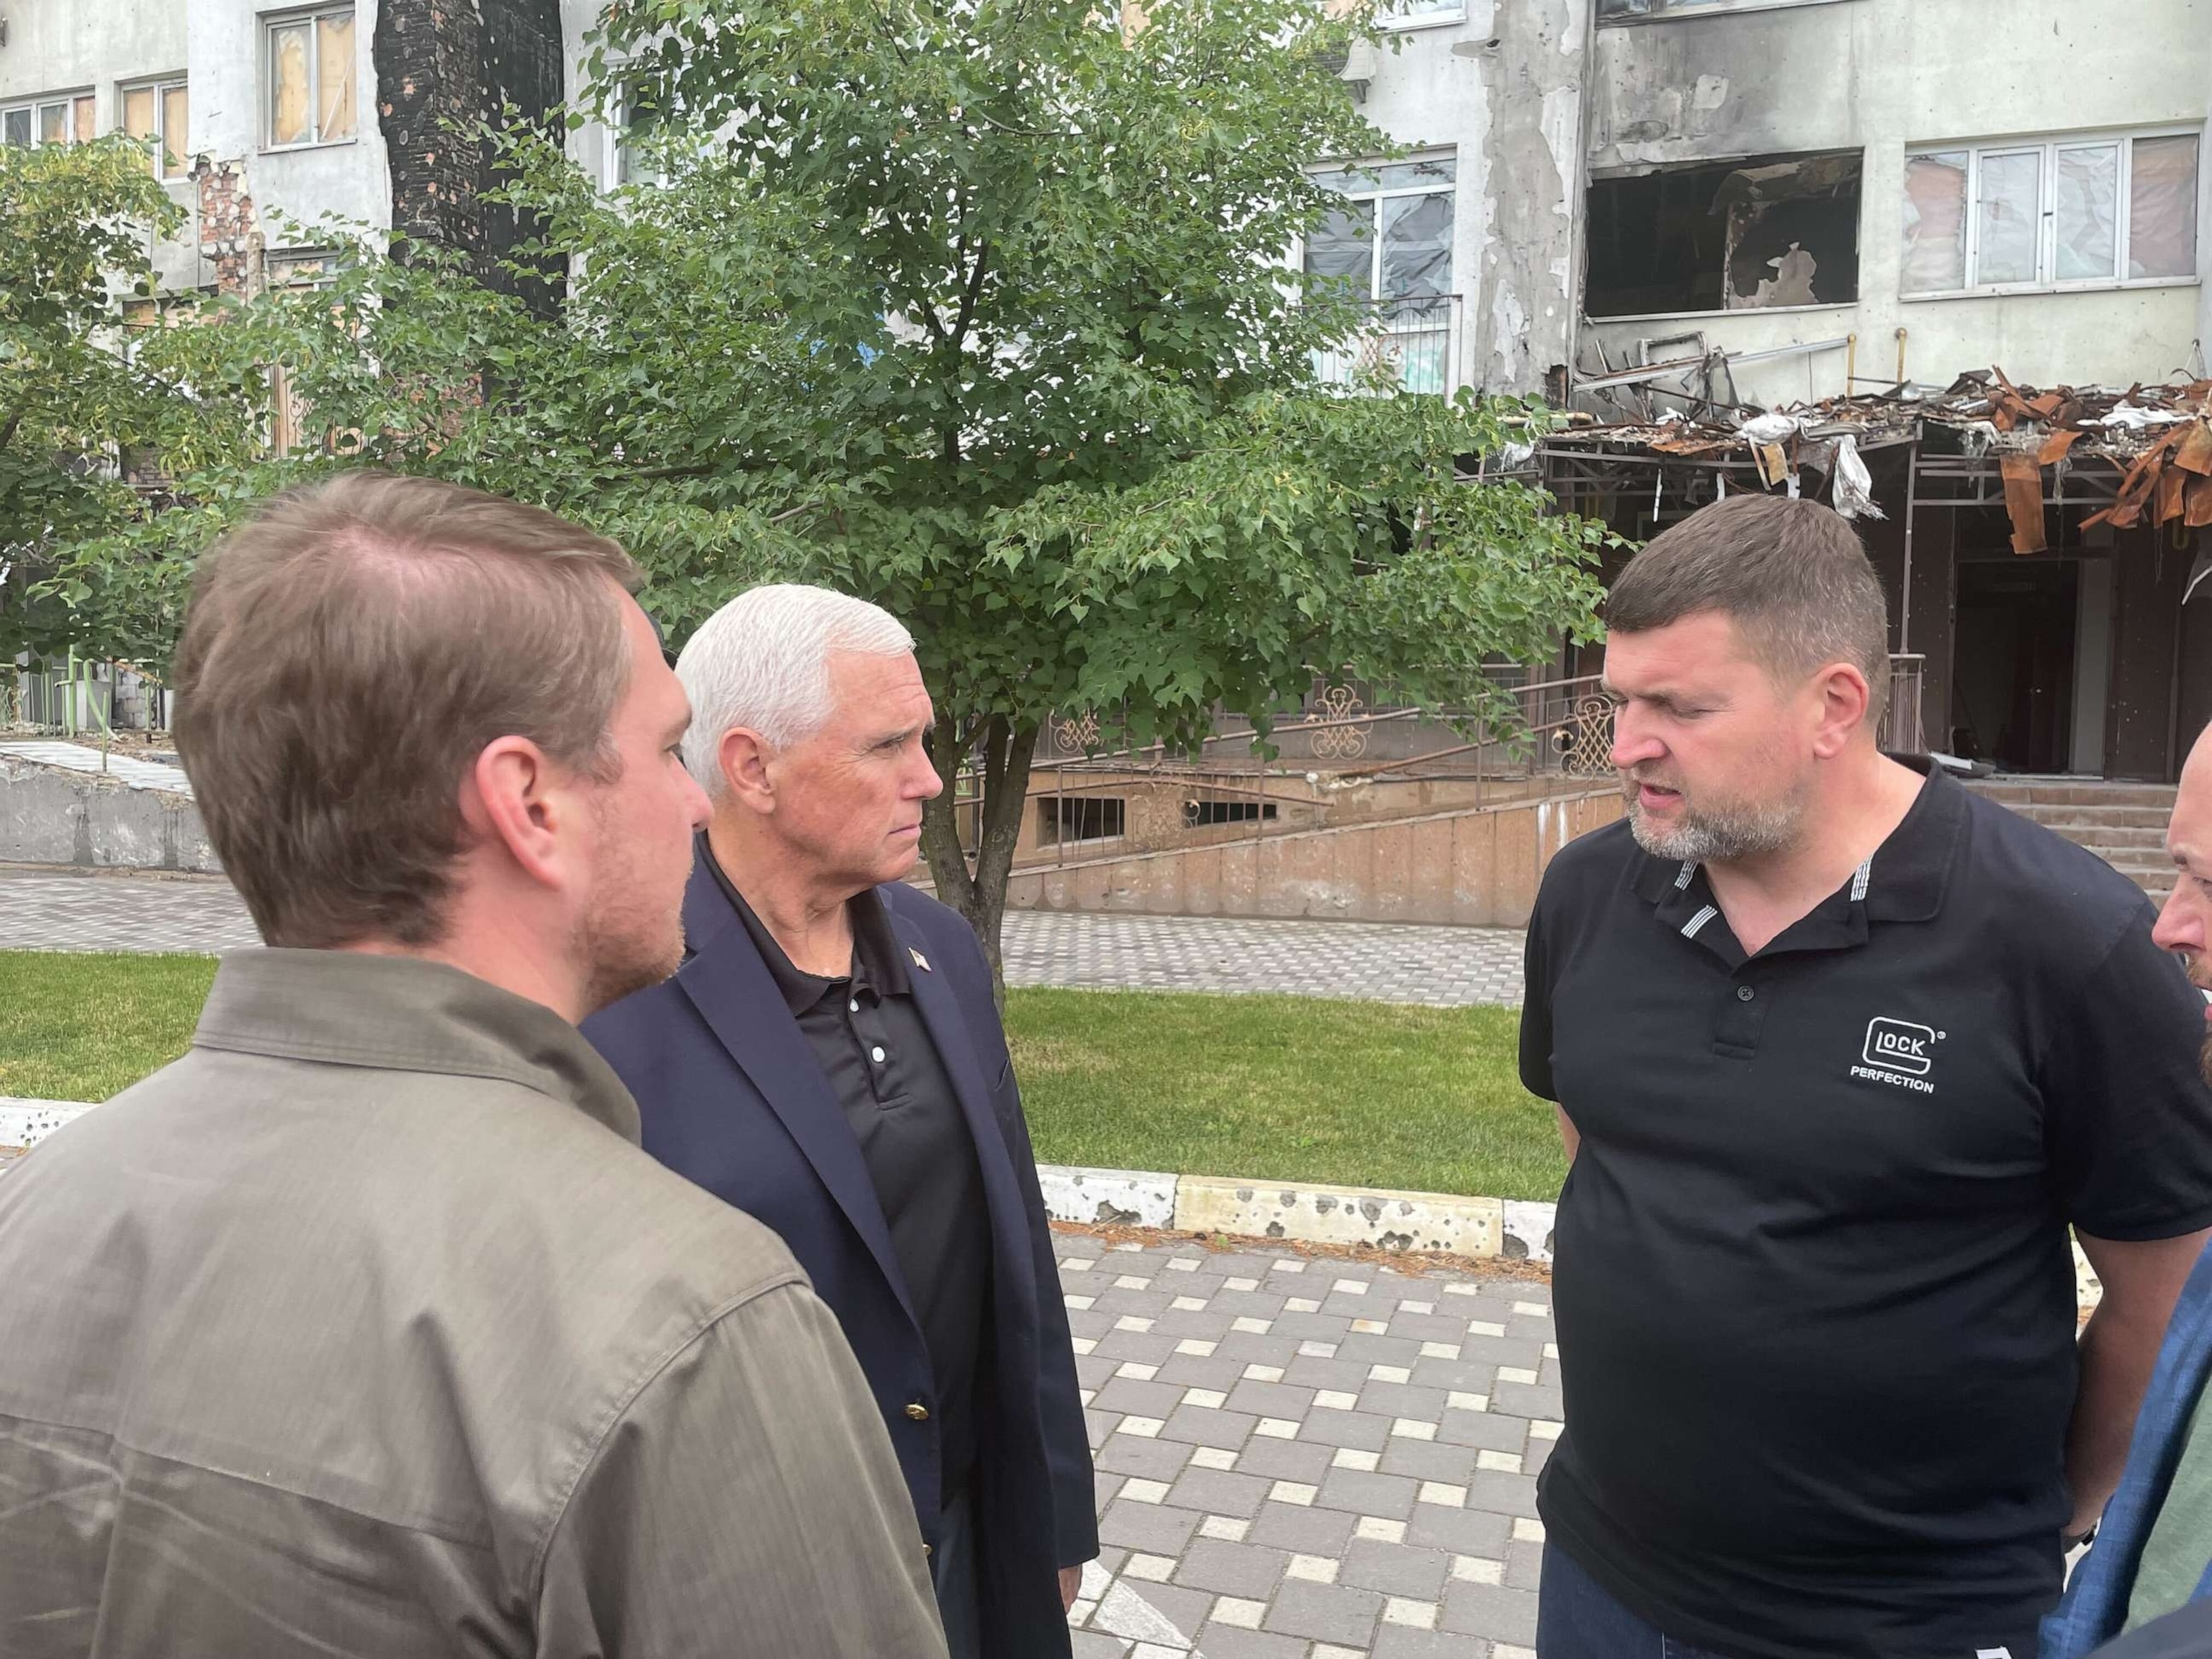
{"x": 1745, "y": 993}
{"x": 919, "y": 1412}
{"x": 852, "y": 1006}
{"x": 876, "y": 1054}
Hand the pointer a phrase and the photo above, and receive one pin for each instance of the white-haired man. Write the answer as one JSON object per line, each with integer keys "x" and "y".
{"x": 829, "y": 1059}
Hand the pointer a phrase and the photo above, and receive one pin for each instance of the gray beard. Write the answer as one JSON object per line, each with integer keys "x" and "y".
{"x": 1719, "y": 835}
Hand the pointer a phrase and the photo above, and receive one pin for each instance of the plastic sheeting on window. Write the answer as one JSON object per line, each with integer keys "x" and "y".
{"x": 2162, "y": 208}
{"x": 1341, "y": 250}
{"x": 2010, "y": 213}
{"x": 1416, "y": 238}
{"x": 1935, "y": 222}
{"x": 2088, "y": 210}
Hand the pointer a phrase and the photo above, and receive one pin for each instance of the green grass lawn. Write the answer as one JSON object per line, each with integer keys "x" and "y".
{"x": 1278, "y": 1088}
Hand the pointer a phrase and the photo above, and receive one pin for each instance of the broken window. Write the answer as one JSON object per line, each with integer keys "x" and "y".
{"x": 1390, "y": 246}
{"x": 310, "y": 78}
{"x": 66, "y": 118}
{"x": 2051, "y": 213}
{"x": 157, "y": 113}
{"x": 1734, "y": 235}
{"x": 1200, "y": 814}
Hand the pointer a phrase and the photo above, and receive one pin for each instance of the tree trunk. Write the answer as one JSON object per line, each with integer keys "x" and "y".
{"x": 979, "y": 895}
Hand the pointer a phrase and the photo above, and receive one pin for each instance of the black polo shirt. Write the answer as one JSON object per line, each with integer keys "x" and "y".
{"x": 875, "y": 1049}
{"x": 1814, "y": 1299}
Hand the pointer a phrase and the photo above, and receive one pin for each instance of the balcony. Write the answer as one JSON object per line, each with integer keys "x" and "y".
{"x": 1410, "y": 344}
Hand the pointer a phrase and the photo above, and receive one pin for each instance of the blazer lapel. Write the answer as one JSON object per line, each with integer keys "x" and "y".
{"x": 731, "y": 987}
{"x": 948, "y": 1028}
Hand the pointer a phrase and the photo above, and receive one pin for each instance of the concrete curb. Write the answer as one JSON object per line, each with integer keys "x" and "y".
{"x": 1515, "y": 1228}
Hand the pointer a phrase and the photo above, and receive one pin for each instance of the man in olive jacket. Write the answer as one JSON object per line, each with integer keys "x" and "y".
{"x": 366, "y": 1328}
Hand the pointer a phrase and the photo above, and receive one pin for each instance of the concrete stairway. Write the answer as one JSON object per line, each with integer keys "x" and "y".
{"x": 2123, "y": 823}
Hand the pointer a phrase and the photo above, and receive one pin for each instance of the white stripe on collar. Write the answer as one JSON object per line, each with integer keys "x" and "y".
{"x": 1862, "y": 881}
{"x": 1690, "y": 927}
{"x": 1682, "y": 881}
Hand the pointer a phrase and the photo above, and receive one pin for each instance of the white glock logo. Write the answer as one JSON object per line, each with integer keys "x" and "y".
{"x": 1898, "y": 1045}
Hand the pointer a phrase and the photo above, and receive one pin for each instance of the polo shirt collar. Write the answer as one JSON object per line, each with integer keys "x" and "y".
{"x": 876, "y": 959}
{"x": 1905, "y": 880}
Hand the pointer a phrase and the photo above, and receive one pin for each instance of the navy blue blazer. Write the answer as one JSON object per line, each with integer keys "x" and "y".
{"x": 731, "y": 1096}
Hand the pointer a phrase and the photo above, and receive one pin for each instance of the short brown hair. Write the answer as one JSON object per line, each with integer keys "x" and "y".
{"x": 1792, "y": 575}
{"x": 346, "y": 657}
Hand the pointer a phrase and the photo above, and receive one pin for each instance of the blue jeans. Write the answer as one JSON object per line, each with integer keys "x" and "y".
{"x": 1577, "y": 1620}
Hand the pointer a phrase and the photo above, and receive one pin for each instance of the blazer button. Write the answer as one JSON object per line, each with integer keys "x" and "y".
{"x": 926, "y": 1552}
{"x": 919, "y": 1412}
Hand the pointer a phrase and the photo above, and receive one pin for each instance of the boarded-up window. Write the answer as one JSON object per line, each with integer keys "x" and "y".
{"x": 81, "y": 127}
{"x": 289, "y": 91}
{"x": 175, "y": 130}
{"x": 1936, "y": 222}
{"x": 156, "y": 114}
{"x": 2162, "y": 208}
{"x": 334, "y": 102}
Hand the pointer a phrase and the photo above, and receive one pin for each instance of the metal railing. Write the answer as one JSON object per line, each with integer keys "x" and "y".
{"x": 1405, "y": 346}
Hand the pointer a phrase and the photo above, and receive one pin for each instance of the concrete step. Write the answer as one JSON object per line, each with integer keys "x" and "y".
{"x": 2117, "y": 817}
{"x": 2084, "y": 793}
{"x": 2105, "y": 839}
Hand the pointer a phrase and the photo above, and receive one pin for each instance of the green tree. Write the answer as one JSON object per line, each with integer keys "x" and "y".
{"x": 977, "y": 310}
{"x": 78, "y": 397}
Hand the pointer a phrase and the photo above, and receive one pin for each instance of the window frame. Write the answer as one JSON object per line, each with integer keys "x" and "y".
{"x": 160, "y": 86}
{"x": 269, "y": 23}
{"x": 1391, "y": 20}
{"x": 38, "y": 103}
{"x": 1377, "y": 197}
{"x": 2049, "y": 147}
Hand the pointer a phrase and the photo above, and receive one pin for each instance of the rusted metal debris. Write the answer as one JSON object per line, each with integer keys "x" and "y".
{"x": 2159, "y": 437}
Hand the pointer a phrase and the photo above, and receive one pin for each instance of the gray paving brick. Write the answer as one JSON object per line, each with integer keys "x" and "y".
{"x": 1231, "y": 1641}
{"x": 1188, "y": 1371}
{"x": 1362, "y": 1430}
{"x": 1156, "y": 1529}
{"x": 1371, "y": 1349}
{"x": 1491, "y": 1610}
{"x": 1150, "y": 1460}
{"x": 1390, "y": 1495}
{"x": 1219, "y": 1491}
{"x": 1306, "y": 1370}
{"x": 1270, "y": 1399}
{"x": 1429, "y": 1460}
{"x": 1246, "y": 1571}
{"x": 1525, "y": 1402}
{"x": 1097, "y": 1644}
{"x": 1461, "y": 1532}
{"x": 1326, "y": 1613}
{"x": 1200, "y": 1425}
{"x": 1397, "y": 1642}
{"x": 1491, "y": 1430}
{"x": 1285, "y": 1460}
{"x": 1397, "y": 1400}
{"x": 1122, "y": 1394}
{"x": 1524, "y": 1563}
{"x": 1103, "y": 1485}
{"x": 1509, "y": 1494}
{"x": 1394, "y": 1569}
{"x": 1301, "y": 1530}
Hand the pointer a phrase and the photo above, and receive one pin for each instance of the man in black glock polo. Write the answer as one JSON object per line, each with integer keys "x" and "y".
{"x": 1840, "y": 1051}
{"x": 829, "y": 1059}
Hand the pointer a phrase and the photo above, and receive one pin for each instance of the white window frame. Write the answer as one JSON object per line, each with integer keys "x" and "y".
{"x": 1446, "y": 187}
{"x": 46, "y": 100}
{"x": 2046, "y": 244}
{"x": 160, "y": 86}
{"x": 269, "y": 23}
{"x": 1390, "y": 18}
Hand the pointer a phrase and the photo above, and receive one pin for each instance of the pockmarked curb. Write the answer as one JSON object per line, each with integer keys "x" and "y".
{"x": 1511, "y": 1229}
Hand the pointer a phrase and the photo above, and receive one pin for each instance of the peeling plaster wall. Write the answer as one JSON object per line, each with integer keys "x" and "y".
{"x": 1513, "y": 114}
{"x": 1882, "y": 75}
{"x": 69, "y": 46}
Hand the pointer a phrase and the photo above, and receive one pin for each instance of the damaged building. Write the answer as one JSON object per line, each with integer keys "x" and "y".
{"x": 1940, "y": 265}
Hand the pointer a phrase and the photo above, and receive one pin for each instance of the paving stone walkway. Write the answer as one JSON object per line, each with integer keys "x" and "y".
{"x": 1304, "y": 1458}
{"x": 1441, "y": 967}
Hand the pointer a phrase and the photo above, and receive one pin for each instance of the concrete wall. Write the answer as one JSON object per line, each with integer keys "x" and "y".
{"x": 1882, "y": 75}
{"x": 48, "y": 815}
{"x": 1476, "y": 868}
{"x": 1512, "y": 114}
{"x": 69, "y": 46}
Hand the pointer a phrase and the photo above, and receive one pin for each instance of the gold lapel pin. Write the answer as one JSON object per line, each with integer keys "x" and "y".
{"x": 920, "y": 960}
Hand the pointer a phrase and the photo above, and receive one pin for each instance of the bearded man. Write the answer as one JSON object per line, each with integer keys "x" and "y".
{"x": 1841, "y": 1051}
